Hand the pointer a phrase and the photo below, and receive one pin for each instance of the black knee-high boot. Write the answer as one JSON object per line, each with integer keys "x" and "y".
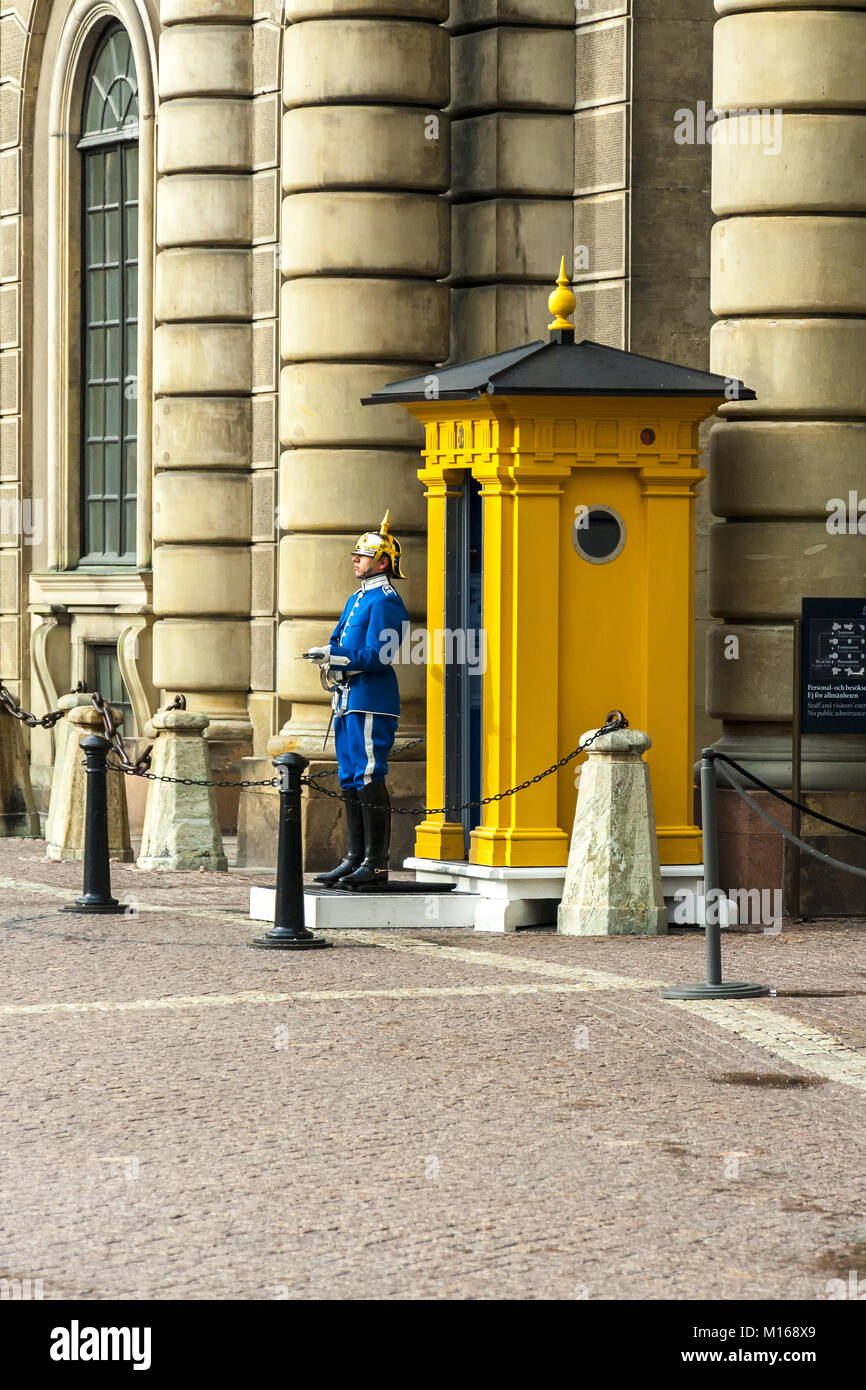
{"x": 376, "y": 810}
{"x": 355, "y": 841}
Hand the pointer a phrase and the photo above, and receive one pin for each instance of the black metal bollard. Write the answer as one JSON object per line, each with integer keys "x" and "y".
{"x": 96, "y": 896}
{"x": 289, "y": 932}
{"x": 713, "y": 987}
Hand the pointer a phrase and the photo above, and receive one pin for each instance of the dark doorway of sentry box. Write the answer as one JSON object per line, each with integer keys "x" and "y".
{"x": 464, "y": 651}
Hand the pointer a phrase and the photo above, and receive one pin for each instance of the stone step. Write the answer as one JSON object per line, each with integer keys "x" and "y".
{"x": 369, "y": 910}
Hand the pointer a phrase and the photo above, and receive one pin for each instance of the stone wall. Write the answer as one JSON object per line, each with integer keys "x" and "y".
{"x": 789, "y": 289}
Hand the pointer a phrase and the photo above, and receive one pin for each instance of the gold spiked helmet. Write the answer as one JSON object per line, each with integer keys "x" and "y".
{"x": 379, "y": 543}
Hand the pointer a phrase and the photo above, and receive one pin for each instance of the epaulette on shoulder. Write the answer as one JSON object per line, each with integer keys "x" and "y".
{"x": 386, "y": 589}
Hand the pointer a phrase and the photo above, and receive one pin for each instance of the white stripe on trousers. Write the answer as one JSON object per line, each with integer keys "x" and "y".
{"x": 368, "y": 744}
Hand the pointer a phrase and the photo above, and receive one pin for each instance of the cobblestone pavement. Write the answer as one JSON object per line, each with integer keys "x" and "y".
{"x": 431, "y": 1114}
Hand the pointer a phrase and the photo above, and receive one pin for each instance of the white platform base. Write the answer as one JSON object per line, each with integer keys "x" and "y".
{"x": 487, "y": 899}
{"x": 373, "y": 911}
{"x": 512, "y": 898}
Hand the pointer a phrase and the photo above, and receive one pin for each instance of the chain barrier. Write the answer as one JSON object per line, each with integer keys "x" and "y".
{"x": 615, "y": 720}
{"x": 140, "y": 768}
{"x": 47, "y": 721}
{"x": 780, "y": 796}
{"x": 132, "y": 770}
{"x": 736, "y": 786}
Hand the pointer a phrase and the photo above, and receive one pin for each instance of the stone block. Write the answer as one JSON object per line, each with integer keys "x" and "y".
{"x": 602, "y": 63}
{"x": 192, "y": 654}
{"x": 201, "y": 507}
{"x": 475, "y": 14}
{"x": 750, "y": 671}
{"x": 818, "y": 166}
{"x": 790, "y": 265}
{"x": 203, "y": 284}
{"x": 511, "y": 69}
{"x": 204, "y": 11}
{"x": 365, "y": 233}
{"x": 782, "y": 468}
{"x": 296, "y": 10}
{"x": 201, "y": 579}
{"x": 492, "y": 318}
{"x": 204, "y": 209}
{"x": 368, "y": 60}
{"x": 759, "y": 570}
{"x": 363, "y": 319}
{"x": 204, "y": 432}
{"x": 510, "y": 238}
{"x": 198, "y": 358}
{"x": 199, "y": 133}
{"x": 310, "y": 567}
{"x": 799, "y": 367}
{"x": 601, "y": 150}
{"x": 320, "y": 405}
{"x": 513, "y": 153}
{"x": 205, "y": 60}
{"x": 365, "y": 146}
{"x": 337, "y": 489}
{"x": 810, "y": 60}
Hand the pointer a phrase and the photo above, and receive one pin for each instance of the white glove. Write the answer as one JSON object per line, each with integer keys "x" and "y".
{"x": 320, "y": 655}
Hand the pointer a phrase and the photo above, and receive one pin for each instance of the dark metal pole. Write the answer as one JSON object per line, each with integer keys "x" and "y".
{"x": 712, "y": 903}
{"x": 96, "y": 896}
{"x": 713, "y": 987}
{"x": 289, "y": 931}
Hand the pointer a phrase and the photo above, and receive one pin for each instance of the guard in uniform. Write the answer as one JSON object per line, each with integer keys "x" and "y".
{"x": 356, "y": 665}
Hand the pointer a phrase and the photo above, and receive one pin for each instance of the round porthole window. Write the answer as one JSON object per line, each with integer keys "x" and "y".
{"x": 598, "y": 534}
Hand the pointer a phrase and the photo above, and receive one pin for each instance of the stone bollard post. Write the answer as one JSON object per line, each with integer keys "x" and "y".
{"x": 613, "y": 883}
{"x": 18, "y": 814}
{"x": 181, "y": 829}
{"x": 76, "y": 699}
{"x": 68, "y": 828}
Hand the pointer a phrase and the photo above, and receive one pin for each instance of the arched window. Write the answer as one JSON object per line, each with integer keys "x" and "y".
{"x": 109, "y": 321}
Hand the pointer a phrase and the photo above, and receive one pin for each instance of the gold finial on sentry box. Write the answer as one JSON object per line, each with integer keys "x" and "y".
{"x": 561, "y": 302}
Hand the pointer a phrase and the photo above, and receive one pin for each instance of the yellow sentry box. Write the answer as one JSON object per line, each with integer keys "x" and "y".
{"x": 586, "y": 461}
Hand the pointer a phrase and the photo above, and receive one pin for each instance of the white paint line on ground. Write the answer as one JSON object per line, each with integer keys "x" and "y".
{"x": 588, "y": 979}
{"x": 299, "y": 996}
{"x": 799, "y": 1043}
{"x": 803, "y": 1044}
{"x": 177, "y": 910}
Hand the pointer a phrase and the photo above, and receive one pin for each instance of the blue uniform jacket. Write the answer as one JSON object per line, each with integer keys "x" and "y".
{"x": 369, "y": 632}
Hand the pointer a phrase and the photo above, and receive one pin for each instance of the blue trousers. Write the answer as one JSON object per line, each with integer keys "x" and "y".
{"x": 363, "y": 742}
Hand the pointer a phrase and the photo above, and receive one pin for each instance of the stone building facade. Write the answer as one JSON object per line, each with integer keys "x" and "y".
{"x": 223, "y": 222}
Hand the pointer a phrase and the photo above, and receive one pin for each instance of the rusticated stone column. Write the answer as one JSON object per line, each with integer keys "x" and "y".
{"x": 512, "y": 110}
{"x": 365, "y": 241}
{"x": 789, "y": 284}
{"x": 203, "y": 367}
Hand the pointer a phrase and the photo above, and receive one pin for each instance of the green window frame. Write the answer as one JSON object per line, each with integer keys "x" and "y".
{"x": 104, "y": 675}
{"x": 109, "y": 305}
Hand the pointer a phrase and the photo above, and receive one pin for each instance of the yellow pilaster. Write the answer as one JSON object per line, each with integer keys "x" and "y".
{"x": 669, "y": 506}
{"x": 521, "y": 498}
{"x": 436, "y": 837}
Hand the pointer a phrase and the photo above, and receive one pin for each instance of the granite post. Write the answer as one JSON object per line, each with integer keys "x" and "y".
{"x": 181, "y": 829}
{"x": 613, "y": 882}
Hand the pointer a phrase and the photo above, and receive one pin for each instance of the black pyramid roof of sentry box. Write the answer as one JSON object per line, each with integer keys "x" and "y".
{"x": 560, "y": 367}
